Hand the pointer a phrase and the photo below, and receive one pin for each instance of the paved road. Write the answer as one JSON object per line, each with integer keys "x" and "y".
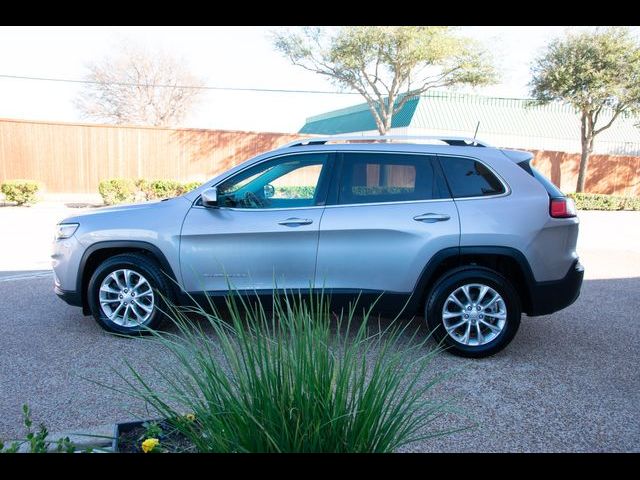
{"x": 568, "y": 382}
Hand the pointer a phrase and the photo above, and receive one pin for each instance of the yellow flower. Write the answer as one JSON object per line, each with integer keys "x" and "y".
{"x": 149, "y": 444}
{"x": 190, "y": 416}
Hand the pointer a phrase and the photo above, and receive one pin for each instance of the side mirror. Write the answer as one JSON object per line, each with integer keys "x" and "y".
{"x": 210, "y": 197}
{"x": 269, "y": 191}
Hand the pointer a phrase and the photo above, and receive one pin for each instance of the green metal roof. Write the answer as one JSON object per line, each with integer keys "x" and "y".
{"x": 459, "y": 114}
{"x": 355, "y": 119}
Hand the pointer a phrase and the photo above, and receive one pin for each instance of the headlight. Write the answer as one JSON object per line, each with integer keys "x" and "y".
{"x": 65, "y": 230}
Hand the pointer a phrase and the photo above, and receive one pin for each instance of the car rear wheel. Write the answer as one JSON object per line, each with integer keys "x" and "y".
{"x": 125, "y": 294}
{"x": 473, "y": 311}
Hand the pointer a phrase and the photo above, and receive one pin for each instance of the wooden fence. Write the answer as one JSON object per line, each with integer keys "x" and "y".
{"x": 612, "y": 174}
{"x": 74, "y": 158}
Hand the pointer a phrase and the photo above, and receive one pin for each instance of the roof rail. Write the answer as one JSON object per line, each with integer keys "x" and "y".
{"x": 452, "y": 141}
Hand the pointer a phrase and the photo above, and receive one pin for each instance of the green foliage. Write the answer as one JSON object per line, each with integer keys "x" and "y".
{"x": 388, "y": 65}
{"x": 598, "y": 73}
{"x": 152, "y": 430}
{"x": 20, "y": 191}
{"x": 13, "y": 448}
{"x": 159, "y": 189}
{"x": 596, "y": 201}
{"x": 294, "y": 379}
{"x": 188, "y": 186}
{"x": 590, "y": 70}
{"x": 117, "y": 190}
{"x": 142, "y": 184}
{"x": 37, "y": 440}
{"x": 295, "y": 192}
{"x": 380, "y": 190}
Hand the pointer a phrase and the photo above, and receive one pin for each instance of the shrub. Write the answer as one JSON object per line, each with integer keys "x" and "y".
{"x": 292, "y": 381}
{"x": 36, "y": 441}
{"x": 188, "y": 186}
{"x": 117, "y": 190}
{"x": 597, "y": 201}
{"x": 20, "y": 191}
{"x": 380, "y": 190}
{"x": 158, "y": 189}
{"x": 295, "y": 192}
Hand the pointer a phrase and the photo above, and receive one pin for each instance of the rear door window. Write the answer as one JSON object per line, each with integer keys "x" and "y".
{"x": 389, "y": 177}
{"x": 470, "y": 178}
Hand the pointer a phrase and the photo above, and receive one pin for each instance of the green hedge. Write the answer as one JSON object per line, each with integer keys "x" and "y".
{"x": 295, "y": 192}
{"x": 158, "y": 189}
{"x": 123, "y": 190}
{"x": 20, "y": 191}
{"x": 598, "y": 201}
{"x": 367, "y": 191}
{"x": 117, "y": 190}
{"x": 187, "y": 187}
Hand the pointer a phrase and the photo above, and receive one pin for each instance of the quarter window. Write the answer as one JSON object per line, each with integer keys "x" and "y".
{"x": 385, "y": 177}
{"x": 470, "y": 178}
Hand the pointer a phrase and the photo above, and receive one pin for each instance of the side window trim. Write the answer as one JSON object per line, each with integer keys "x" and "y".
{"x": 339, "y": 163}
{"x": 323, "y": 185}
{"x": 505, "y": 185}
{"x": 441, "y": 175}
{"x": 324, "y": 180}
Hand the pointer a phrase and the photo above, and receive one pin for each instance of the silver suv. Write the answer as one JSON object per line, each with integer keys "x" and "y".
{"x": 467, "y": 235}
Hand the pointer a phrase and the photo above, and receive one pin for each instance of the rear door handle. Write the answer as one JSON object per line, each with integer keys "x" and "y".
{"x": 432, "y": 217}
{"x": 295, "y": 222}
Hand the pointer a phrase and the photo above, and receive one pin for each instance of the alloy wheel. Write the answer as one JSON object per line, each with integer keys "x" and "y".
{"x": 126, "y": 298}
{"x": 474, "y": 314}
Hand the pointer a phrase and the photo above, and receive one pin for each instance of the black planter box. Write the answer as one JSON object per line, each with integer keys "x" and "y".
{"x": 125, "y": 427}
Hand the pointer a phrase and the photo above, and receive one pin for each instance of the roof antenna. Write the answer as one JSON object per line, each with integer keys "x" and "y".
{"x": 476, "y": 132}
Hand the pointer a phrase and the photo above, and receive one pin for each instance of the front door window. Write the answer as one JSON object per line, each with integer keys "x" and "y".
{"x": 292, "y": 181}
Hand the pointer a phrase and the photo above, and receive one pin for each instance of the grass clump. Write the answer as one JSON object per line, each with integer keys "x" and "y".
{"x": 291, "y": 378}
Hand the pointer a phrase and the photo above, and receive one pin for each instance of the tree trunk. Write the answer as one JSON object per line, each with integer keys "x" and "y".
{"x": 586, "y": 139}
{"x": 387, "y": 122}
{"x": 380, "y": 124}
{"x": 388, "y": 115}
{"x": 582, "y": 173}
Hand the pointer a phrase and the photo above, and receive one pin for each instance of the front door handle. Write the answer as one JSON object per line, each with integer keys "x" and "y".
{"x": 432, "y": 217}
{"x": 295, "y": 222}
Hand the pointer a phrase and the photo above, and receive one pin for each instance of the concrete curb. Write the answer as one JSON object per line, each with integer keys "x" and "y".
{"x": 83, "y": 439}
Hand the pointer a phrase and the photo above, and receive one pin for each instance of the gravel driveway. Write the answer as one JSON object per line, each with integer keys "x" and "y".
{"x": 568, "y": 382}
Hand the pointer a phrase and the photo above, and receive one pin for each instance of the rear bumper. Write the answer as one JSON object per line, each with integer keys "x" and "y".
{"x": 549, "y": 297}
{"x": 70, "y": 296}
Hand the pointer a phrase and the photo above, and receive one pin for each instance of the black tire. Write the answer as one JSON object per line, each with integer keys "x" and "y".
{"x": 153, "y": 274}
{"x": 447, "y": 284}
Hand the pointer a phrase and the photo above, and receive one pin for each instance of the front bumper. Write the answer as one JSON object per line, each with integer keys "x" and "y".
{"x": 549, "y": 297}
{"x": 70, "y": 296}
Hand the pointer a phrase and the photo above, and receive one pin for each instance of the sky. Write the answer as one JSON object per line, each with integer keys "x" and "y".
{"x": 221, "y": 56}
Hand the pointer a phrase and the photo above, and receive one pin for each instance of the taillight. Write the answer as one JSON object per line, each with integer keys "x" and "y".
{"x": 562, "y": 208}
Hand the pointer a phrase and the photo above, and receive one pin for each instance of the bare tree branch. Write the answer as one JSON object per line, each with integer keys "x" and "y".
{"x": 127, "y": 89}
{"x": 615, "y": 115}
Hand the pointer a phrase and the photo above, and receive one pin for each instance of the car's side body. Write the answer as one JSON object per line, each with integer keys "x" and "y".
{"x": 396, "y": 251}
{"x": 394, "y": 248}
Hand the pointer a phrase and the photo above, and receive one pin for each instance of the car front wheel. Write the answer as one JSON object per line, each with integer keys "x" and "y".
{"x": 125, "y": 294}
{"x": 473, "y": 312}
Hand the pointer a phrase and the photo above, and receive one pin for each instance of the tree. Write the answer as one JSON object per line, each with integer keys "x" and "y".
{"x": 596, "y": 72}
{"x": 388, "y": 65}
{"x": 137, "y": 87}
